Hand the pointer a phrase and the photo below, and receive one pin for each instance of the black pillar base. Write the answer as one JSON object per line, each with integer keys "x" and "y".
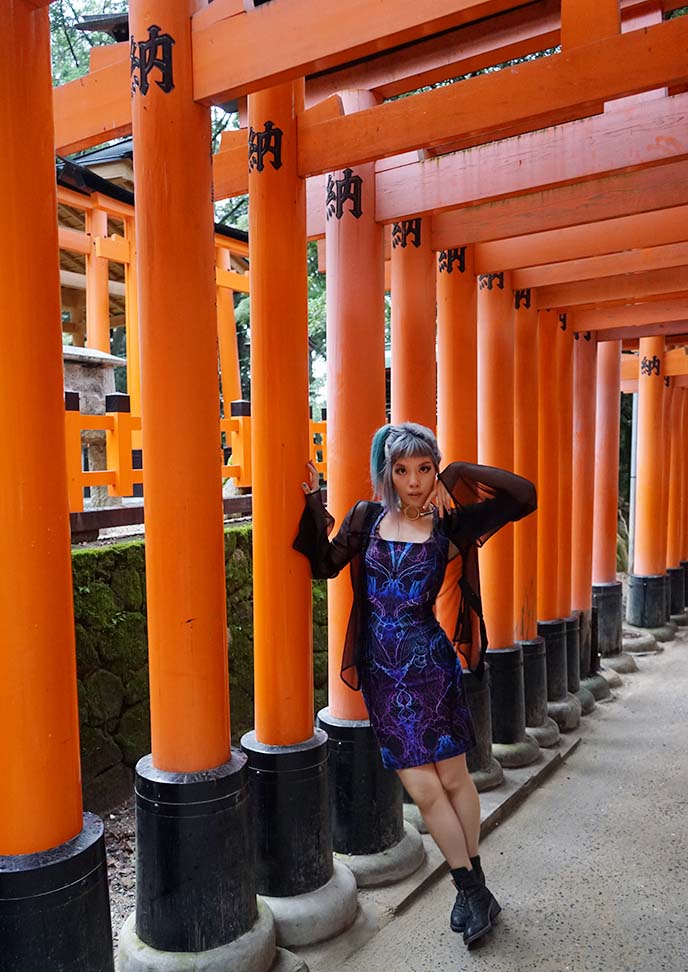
{"x": 289, "y": 788}
{"x": 678, "y": 589}
{"x": 573, "y": 663}
{"x": 563, "y": 707}
{"x": 607, "y": 617}
{"x": 54, "y": 907}
{"x": 684, "y": 564}
{"x": 646, "y": 607}
{"x": 585, "y": 643}
{"x": 195, "y": 877}
{"x": 538, "y": 723}
{"x": 511, "y": 746}
{"x": 483, "y": 767}
{"x": 365, "y": 798}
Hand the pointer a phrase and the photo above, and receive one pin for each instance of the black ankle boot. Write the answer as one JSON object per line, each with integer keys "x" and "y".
{"x": 481, "y": 907}
{"x": 459, "y": 913}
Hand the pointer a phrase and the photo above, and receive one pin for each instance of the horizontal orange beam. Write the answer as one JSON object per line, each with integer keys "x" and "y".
{"x": 632, "y": 315}
{"x": 490, "y": 105}
{"x": 626, "y": 288}
{"x": 236, "y": 54}
{"x": 610, "y": 197}
{"x": 611, "y": 264}
{"x": 516, "y": 33}
{"x": 667, "y": 328}
{"x": 637, "y": 135}
{"x": 576, "y": 242}
{"x": 74, "y": 241}
{"x": 631, "y": 387}
{"x": 675, "y": 363}
{"x": 94, "y": 108}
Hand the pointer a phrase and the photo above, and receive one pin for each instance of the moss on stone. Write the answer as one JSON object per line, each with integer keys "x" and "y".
{"x": 87, "y": 660}
{"x": 98, "y": 752}
{"x": 128, "y": 588}
{"x": 133, "y": 735}
{"x": 104, "y": 695}
{"x": 124, "y": 645}
{"x": 109, "y": 788}
{"x": 95, "y": 605}
{"x": 136, "y": 688}
{"x": 320, "y": 670}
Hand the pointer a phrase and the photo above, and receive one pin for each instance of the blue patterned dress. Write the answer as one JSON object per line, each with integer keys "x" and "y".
{"x": 411, "y": 676}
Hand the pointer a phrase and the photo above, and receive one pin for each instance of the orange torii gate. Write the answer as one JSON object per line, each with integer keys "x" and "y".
{"x": 186, "y": 648}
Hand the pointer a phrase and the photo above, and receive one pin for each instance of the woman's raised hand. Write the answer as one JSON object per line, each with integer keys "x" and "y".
{"x": 312, "y": 482}
{"x": 442, "y": 499}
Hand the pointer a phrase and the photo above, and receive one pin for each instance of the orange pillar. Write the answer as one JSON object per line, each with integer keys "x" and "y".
{"x": 40, "y": 774}
{"x": 548, "y": 469}
{"x": 97, "y": 286}
{"x": 457, "y": 401}
{"x": 649, "y": 557}
{"x": 647, "y": 596}
{"x": 356, "y": 373}
{"x": 227, "y": 337}
{"x": 606, "y": 462}
{"x": 683, "y": 439}
{"x": 457, "y": 354}
{"x": 525, "y": 461}
{"x": 582, "y": 510}
{"x": 414, "y": 381}
{"x": 673, "y": 409}
{"x": 496, "y": 442}
{"x": 564, "y": 366}
{"x": 185, "y": 571}
{"x": 283, "y": 663}
{"x": 133, "y": 339}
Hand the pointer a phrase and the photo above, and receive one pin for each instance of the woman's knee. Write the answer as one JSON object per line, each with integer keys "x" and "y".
{"x": 453, "y": 774}
{"x": 423, "y": 785}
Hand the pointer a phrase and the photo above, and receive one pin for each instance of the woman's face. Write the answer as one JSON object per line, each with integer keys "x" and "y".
{"x": 414, "y": 480}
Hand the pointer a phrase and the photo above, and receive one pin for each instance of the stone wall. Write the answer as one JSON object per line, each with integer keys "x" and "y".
{"x": 112, "y": 658}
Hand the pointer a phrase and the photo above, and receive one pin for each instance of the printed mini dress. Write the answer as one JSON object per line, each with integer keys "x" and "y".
{"x": 410, "y": 673}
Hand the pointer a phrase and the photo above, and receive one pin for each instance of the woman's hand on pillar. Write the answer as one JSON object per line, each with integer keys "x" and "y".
{"x": 312, "y": 482}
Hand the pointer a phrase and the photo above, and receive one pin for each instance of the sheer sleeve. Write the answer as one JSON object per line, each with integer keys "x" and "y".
{"x": 327, "y": 557}
{"x": 486, "y": 498}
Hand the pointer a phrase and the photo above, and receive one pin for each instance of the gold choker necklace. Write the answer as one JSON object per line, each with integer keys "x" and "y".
{"x": 414, "y": 513}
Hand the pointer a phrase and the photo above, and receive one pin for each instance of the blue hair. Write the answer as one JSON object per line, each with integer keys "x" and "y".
{"x": 377, "y": 457}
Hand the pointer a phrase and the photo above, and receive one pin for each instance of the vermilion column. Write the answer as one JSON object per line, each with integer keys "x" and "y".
{"x": 684, "y": 488}
{"x": 646, "y": 591}
{"x": 582, "y": 508}
{"x": 648, "y": 542}
{"x": 286, "y": 755}
{"x": 583, "y": 501}
{"x": 97, "y": 286}
{"x": 40, "y": 777}
{"x": 54, "y": 907}
{"x": 606, "y": 588}
{"x": 525, "y": 461}
{"x": 548, "y": 469}
{"x": 187, "y": 627}
{"x": 356, "y": 374}
{"x": 510, "y": 744}
{"x": 496, "y": 442}
{"x": 457, "y": 399}
{"x": 227, "y": 336}
{"x": 279, "y": 414}
{"x": 414, "y": 381}
{"x": 676, "y": 573}
{"x": 562, "y": 707}
{"x": 606, "y": 462}
{"x": 564, "y": 366}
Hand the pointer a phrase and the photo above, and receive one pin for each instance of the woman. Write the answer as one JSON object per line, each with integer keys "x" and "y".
{"x": 395, "y": 649}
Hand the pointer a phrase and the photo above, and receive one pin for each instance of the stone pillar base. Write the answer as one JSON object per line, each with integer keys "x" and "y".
{"x": 622, "y": 663}
{"x": 483, "y": 767}
{"x": 547, "y": 734}
{"x": 566, "y": 712}
{"x": 586, "y": 699}
{"x": 304, "y": 919}
{"x": 597, "y": 685}
{"x": 390, "y": 865}
{"x": 637, "y": 641}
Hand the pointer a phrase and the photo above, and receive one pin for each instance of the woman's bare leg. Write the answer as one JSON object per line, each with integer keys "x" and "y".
{"x": 425, "y": 787}
{"x": 463, "y": 796}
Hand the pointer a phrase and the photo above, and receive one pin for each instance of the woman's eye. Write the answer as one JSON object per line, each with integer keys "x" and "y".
{"x": 399, "y": 471}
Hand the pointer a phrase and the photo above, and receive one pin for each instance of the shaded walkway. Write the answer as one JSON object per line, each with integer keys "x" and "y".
{"x": 591, "y": 870}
